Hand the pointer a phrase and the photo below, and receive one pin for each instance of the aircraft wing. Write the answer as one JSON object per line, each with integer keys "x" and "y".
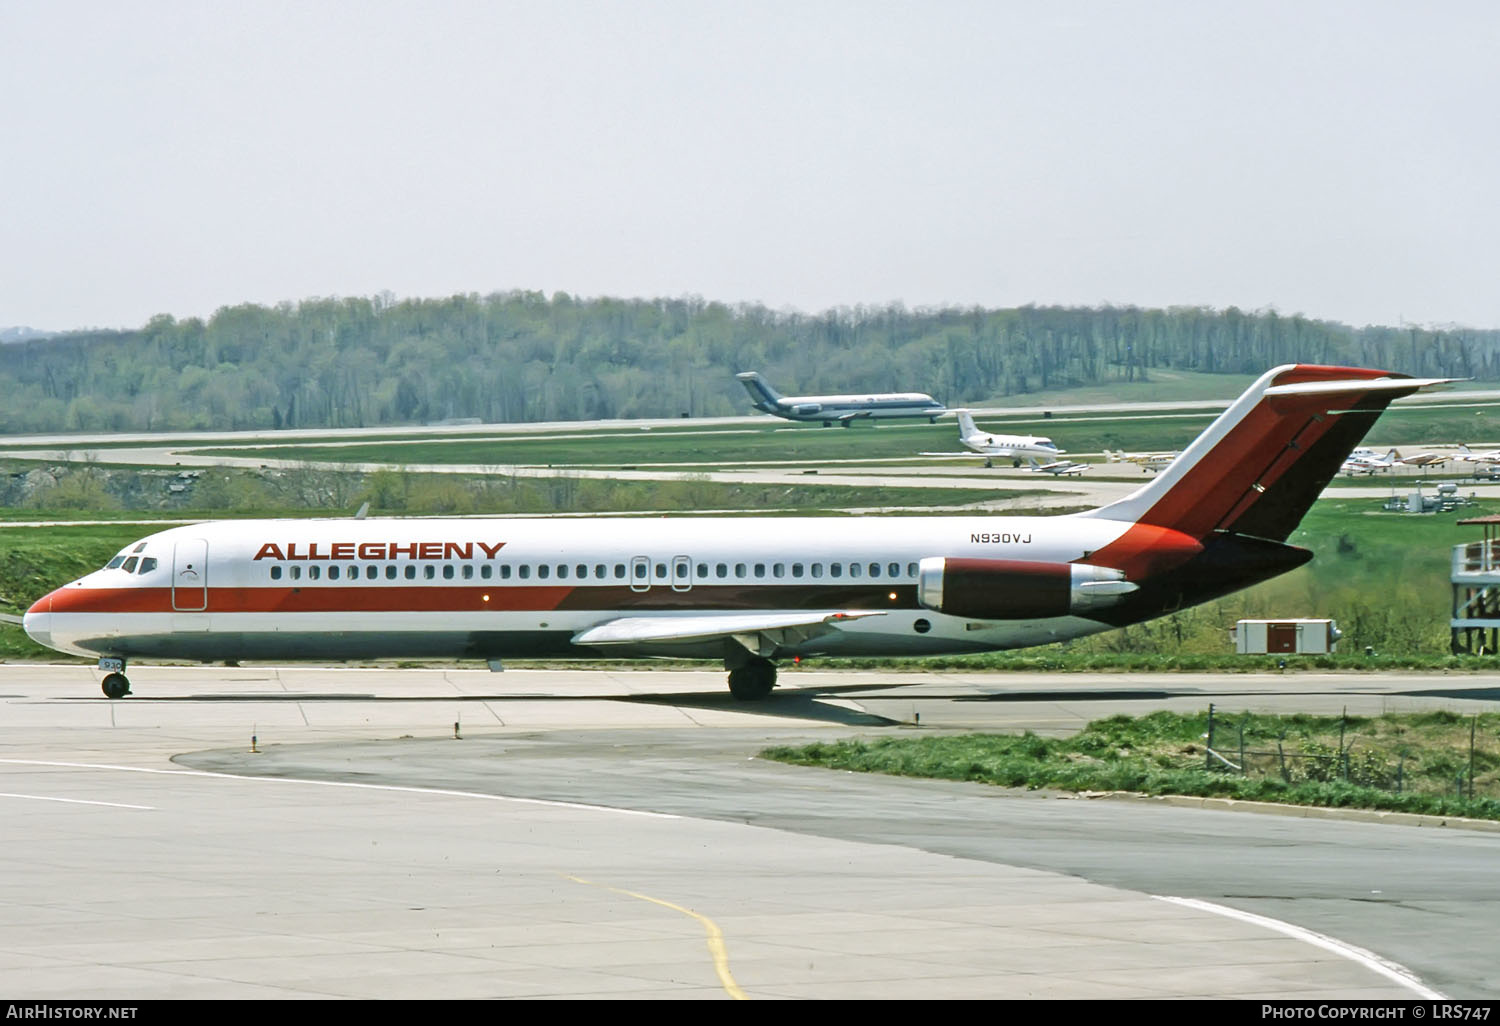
{"x": 852, "y": 415}
{"x": 759, "y": 633}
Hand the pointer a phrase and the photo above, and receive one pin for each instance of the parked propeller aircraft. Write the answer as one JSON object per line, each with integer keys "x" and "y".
{"x": 838, "y": 409}
{"x": 1056, "y": 468}
{"x": 1367, "y": 461}
{"x": 1468, "y": 455}
{"x": 1151, "y": 461}
{"x": 744, "y": 590}
{"x": 1420, "y": 459}
{"x": 1011, "y": 447}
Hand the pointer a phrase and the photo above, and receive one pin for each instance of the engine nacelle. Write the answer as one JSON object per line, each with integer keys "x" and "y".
{"x": 807, "y": 409}
{"x": 1013, "y": 589}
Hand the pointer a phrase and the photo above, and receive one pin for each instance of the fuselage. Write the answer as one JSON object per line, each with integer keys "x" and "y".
{"x": 345, "y": 589}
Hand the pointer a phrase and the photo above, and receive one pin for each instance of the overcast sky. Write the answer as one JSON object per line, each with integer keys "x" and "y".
{"x": 1339, "y": 160}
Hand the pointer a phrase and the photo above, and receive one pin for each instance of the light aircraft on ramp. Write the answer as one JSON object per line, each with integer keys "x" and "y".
{"x": 839, "y": 409}
{"x": 1468, "y": 455}
{"x": 1367, "y": 461}
{"x": 1057, "y": 468}
{"x": 1015, "y": 448}
{"x": 1150, "y": 461}
{"x": 744, "y": 590}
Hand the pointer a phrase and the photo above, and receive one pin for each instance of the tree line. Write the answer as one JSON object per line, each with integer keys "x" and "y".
{"x": 524, "y": 356}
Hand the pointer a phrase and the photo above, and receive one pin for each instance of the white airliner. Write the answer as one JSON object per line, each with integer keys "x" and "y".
{"x": 1056, "y": 468}
{"x": 839, "y": 409}
{"x": 745, "y": 590}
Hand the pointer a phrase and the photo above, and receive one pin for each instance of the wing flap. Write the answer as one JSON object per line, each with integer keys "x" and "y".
{"x": 760, "y": 633}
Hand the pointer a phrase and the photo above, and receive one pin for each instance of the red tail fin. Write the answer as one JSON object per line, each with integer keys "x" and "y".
{"x": 1259, "y": 467}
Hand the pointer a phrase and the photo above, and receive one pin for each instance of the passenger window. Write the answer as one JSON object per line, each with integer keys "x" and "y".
{"x": 486, "y": 571}
{"x": 619, "y": 571}
{"x": 371, "y": 572}
{"x": 411, "y": 572}
{"x": 600, "y": 571}
{"x": 543, "y": 570}
{"x": 796, "y": 569}
{"x": 702, "y": 571}
{"x": 874, "y": 569}
{"x": 390, "y": 572}
{"x": 835, "y": 570}
{"x": 429, "y": 571}
{"x": 296, "y": 573}
{"x": 817, "y": 569}
{"x": 721, "y": 570}
{"x": 640, "y": 571}
{"x": 275, "y": 573}
{"x": 333, "y": 572}
{"x": 911, "y": 569}
{"x": 682, "y": 571}
{"x": 778, "y": 569}
{"x": 314, "y": 572}
{"x": 448, "y": 572}
{"x": 580, "y": 571}
{"x": 468, "y": 572}
{"x": 854, "y": 569}
{"x": 562, "y": 571}
{"x": 505, "y": 571}
{"x": 760, "y": 569}
{"x": 894, "y": 570}
{"x": 524, "y": 571}
{"x": 739, "y": 569}
{"x": 661, "y": 571}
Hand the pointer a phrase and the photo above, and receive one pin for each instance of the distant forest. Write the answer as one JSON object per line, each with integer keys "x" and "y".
{"x": 524, "y": 356}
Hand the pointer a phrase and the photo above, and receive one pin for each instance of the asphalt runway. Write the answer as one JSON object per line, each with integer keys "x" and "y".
{"x": 421, "y": 833}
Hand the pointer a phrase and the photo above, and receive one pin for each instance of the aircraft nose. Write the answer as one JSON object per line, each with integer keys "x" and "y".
{"x": 38, "y": 621}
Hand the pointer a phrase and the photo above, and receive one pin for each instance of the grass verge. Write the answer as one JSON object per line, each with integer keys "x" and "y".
{"x": 1416, "y": 763}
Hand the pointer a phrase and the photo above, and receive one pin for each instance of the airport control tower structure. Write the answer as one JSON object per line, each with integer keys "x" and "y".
{"x": 1475, "y": 625}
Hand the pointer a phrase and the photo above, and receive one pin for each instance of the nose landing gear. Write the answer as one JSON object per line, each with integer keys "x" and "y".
{"x": 115, "y": 684}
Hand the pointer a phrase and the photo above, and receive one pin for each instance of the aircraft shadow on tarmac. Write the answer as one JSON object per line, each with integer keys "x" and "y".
{"x": 788, "y": 704}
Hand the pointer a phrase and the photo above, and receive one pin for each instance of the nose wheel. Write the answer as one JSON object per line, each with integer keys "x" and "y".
{"x": 115, "y": 685}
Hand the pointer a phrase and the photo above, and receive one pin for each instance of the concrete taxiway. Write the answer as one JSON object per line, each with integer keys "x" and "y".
{"x": 568, "y": 833}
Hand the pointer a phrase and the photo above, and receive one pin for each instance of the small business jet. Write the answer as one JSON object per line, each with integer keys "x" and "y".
{"x": 1149, "y": 461}
{"x": 744, "y": 590}
{"x": 1057, "y": 468}
{"x": 838, "y": 409}
{"x": 1015, "y": 448}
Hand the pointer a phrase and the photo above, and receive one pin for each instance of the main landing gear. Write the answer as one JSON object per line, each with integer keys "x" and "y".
{"x": 115, "y": 684}
{"x": 753, "y": 679}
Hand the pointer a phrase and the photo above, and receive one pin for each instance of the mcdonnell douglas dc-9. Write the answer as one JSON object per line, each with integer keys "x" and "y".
{"x": 747, "y": 591}
{"x": 838, "y": 409}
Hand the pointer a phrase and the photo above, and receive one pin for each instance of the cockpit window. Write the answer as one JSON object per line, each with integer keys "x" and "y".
{"x": 113, "y": 563}
{"x": 130, "y": 564}
{"x": 139, "y": 547}
{"x": 148, "y": 564}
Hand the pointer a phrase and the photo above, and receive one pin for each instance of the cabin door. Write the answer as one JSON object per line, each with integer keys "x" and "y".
{"x": 190, "y": 575}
